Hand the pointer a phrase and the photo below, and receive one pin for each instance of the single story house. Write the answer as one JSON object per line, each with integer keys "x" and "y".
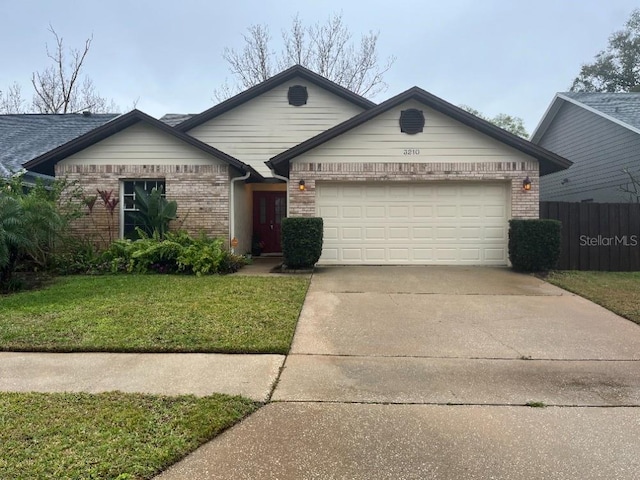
{"x": 600, "y": 134}
{"x": 413, "y": 180}
{"x": 24, "y": 137}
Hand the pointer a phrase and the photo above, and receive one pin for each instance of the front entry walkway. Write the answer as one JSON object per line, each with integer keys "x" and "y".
{"x": 433, "y": 372}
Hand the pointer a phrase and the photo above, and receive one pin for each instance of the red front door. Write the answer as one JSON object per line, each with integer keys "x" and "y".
{"x": 269, "y": 208}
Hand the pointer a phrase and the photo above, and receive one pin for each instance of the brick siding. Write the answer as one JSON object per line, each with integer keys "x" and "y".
{"x": 201, "y": 191}
{"x": 524, "y": 204}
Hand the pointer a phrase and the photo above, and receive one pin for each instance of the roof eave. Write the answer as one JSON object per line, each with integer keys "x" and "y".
{"x": 45, "y": 163}
{"x": 276, "y": 80}
{"x": 280, "y": 162}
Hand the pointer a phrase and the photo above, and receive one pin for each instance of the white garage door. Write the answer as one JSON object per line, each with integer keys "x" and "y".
{"x": 462, "y": 223}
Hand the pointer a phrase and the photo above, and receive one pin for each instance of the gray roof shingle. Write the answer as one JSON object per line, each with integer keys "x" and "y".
{"x": 173, "y": 119}
{"x": 624, "y": 107}
{"x": 24, "y": 137}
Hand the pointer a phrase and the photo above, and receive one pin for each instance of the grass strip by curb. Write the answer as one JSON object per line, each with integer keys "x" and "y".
{"x": 107, "y": 435}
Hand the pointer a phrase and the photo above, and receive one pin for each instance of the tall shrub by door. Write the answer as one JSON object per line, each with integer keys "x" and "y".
{"x": 301, "y": 241}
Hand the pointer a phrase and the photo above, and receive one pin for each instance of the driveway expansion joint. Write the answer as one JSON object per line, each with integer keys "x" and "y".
{"x": 430, "y": 357}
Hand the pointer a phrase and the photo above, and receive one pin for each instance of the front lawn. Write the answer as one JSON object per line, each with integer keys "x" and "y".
{"x": 154, "y": 313}
{"x": 109, "y": 435}
{"x": 616, "y": 291}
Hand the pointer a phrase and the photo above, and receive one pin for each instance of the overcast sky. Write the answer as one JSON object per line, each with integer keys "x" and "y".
{"x": 495, "y": 55}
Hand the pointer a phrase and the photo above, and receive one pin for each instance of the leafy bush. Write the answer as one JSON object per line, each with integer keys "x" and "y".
{"x": 79, "y": 256}
{"x": 176, "y": 253}
{"x": 534, "y": 245}
{"x": 301, "y": 241}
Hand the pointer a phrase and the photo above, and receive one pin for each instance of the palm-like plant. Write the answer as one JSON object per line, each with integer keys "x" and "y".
{"x": 28, "y": 228}
{"x": 154, "y": 211}
{"x": 13, "y": 237}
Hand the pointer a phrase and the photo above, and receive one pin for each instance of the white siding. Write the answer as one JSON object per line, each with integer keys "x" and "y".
{"x": 443, "y": 140}
{"x": 140, "y": 144}
{"x": 243, "y": 221}
{"x": 267, "y": 125}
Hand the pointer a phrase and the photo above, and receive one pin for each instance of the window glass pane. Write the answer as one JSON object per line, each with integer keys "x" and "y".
{"x": 129, "y": 206}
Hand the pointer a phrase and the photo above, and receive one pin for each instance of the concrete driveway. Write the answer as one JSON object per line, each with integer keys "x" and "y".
{"x": 426, "y": 372}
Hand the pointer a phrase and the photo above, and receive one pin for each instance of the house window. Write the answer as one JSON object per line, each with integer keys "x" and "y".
{"x": 129, "y": 202}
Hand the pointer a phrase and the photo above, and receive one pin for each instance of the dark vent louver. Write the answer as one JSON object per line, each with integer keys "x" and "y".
{"x": 297, "y": 95}
{"x": 411, "y": 121}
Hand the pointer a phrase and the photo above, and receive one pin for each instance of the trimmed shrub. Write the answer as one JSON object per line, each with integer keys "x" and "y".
{"x": 534, "y": 245}
{"x": 301, "y": 241}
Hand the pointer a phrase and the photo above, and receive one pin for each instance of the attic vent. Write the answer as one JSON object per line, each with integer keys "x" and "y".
{"x": 297, "y": 95}
{"x": 411, "y": 121}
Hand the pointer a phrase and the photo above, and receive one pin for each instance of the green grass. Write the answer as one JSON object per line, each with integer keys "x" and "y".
{"x": 110, "y": 435}
{"x": 154, "y": 313}
{"x": 616, "y": 291}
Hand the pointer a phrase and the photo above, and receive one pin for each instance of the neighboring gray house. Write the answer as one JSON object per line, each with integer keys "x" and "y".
{"x": 24, "y": 137}
{"x": 600, "y": 134}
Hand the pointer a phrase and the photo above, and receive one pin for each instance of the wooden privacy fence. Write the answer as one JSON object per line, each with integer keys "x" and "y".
{"x": 597, "y": 236}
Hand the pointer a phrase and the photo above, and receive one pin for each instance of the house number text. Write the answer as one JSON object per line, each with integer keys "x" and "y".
{"x": 411, "y": 151}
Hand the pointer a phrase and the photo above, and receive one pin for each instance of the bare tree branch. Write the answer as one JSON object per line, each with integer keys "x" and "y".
{"x": 326, "y": 48}
{"x": 12, "y": 101}
{"x": 631, "y": 188}
{"x": 61, "y": 88}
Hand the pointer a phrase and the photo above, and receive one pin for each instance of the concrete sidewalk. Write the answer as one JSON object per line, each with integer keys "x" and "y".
{"x": 157, "y": 373}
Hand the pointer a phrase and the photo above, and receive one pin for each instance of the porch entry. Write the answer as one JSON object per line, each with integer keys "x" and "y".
{"x": 269, "y": 208}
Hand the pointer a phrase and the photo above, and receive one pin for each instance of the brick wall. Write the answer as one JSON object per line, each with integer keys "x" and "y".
{"x": 202, "y": 193}
{"x": 523, "y": 204}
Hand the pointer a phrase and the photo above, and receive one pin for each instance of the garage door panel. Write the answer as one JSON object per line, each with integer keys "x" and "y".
{"x": 329, "y": 211}
{"x": 427, "y": 223}
{"x": 355, "y": 191}
{"x": 471, "y": 233}
{"x": 328, "y": 191}
{"x": 352, "y": 211}
{"x": 375, "y": 191}
{"x": 351, "y": 233}
{"x": 374, "y": 254}
{"x": 495, "y": 254}
{"x": 399, "y": 211}
{"x": 330, "y": 254}
{"x": 375, "y": 211}
{"x": 423, "y": 254}
{"x": 423, "y": 211}
{"x": 331, "y": 233}
{"x": 399, "y": 233}
{"x": 470, "y": 255}
{"x": 446, "y": 211}
{"x": 494, "y": 211}
{"x": 495, "y": 233}
{"x": 350, "y": 254}
{"x": 375, "y": 233}
{"x": 400, "y": 254}
{"x": 446, "y": 233}
{"x": 470, "y": 211}
{"x": 423, "y": 233}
